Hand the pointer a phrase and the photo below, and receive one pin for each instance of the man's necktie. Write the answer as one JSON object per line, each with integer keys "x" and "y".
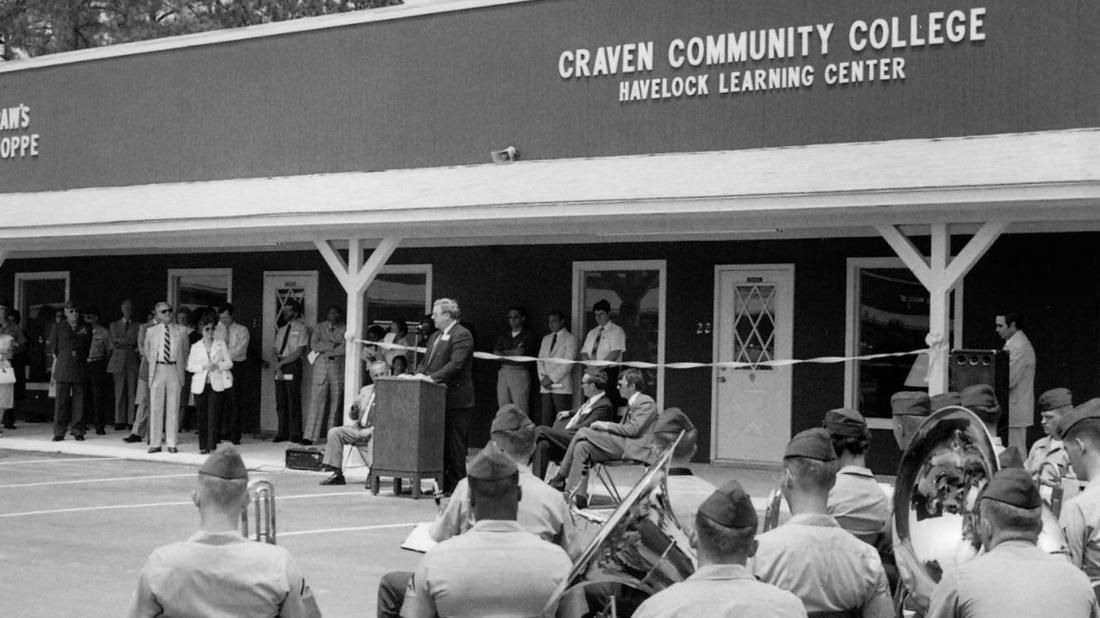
{"x": 553, "y": 342}
{"x": 431, "y": 353}
{"x": 286, "y": 335}
{"x": 596, "y": 344}
{"x": 167, "y": 344}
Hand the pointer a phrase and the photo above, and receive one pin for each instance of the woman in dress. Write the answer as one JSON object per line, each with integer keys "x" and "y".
{"x": 209, "y": 365}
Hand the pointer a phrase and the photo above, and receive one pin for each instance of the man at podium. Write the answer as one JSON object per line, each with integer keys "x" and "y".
{"x": 448, "y": 360}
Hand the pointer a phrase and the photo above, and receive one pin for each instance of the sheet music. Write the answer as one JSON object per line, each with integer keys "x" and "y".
{"x": 419, "y": 540}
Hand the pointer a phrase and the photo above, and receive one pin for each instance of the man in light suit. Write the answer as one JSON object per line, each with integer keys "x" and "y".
{"x": 1021, "y": 378}
{"x": 123, "y": 364}
{"x": 556, "y": 379}
{"x": 327, "y": 341}
{"x": 448, "y": 360}
{"x": 606, "y": 441}
{"x": 552, "y": 442}
{"x": 358, "y": 432}
{"x": 166, "y": 348}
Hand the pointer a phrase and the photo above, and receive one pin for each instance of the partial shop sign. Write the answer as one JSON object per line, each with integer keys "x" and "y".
{"x": 17, "y": 139}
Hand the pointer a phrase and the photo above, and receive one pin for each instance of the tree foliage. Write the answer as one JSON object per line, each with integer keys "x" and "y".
{"x": 31, "y": 28}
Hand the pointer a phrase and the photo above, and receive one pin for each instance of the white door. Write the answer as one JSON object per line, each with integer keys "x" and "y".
{"x": 279, "y": 287}
{"x": 754, "y": 306}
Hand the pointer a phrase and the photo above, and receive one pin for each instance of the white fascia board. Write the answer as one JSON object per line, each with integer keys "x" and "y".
{"x": 913, "y": 175}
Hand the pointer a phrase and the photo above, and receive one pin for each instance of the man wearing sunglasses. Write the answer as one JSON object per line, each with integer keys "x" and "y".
{"x": 167, "y": 348}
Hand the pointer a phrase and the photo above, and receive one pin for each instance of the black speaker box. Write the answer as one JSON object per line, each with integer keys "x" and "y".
{"x": 304, "y": 457}
{"x": 969, "y": 367}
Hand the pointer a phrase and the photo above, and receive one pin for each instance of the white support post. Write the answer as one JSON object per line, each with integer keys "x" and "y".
{"x": 939, "y": 278}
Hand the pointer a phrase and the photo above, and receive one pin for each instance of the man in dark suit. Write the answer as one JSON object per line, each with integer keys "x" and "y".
{"x": 70, "y": 343}
{"x": 448, "y": 360}
{"x": 607, "y": 441}
{"x": 552, "y": 442}
{"x": 123, "y": 364}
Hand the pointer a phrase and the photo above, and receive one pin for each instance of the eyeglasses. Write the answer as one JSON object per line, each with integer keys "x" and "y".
{"x": 165, "y": 311}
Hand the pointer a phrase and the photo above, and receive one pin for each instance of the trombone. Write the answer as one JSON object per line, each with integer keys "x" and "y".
{"x": 261, "y": 496}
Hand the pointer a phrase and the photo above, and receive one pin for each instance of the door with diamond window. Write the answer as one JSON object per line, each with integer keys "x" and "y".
{"x": 753, "y": 321}
{"x": 280, "y": 287}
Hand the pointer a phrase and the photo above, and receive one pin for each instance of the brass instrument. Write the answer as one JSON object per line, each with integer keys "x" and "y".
{"x": 642, "y": 546}
{"x": 1050, "y": 487}
{"x": 261, "y": 497}
{"x": 942, "y": 473}
{"x": 771, "y": 513}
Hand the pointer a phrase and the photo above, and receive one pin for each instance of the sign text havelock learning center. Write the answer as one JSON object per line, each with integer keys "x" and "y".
{"x": 738, "y": 54}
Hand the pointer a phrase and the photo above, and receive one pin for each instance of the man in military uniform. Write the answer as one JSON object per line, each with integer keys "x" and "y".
{"x": 542, "y": 509}
{"x": 856, "y": 501}
{"x": 1079, "y": 431}
{"x": 517, "y": 573}
{"x": 123, "y": 364}
{"x": 1053, "y": 405}
{"x": 909, "y": 409}
{"x": 811, "y": 556}
{"x": 291, "y": 341}
{"x": 725, "y": 526}
{"x": 70, "y": 343}
{"x": 982, "y": 401}
{"x": 686, "y": 492}
{"x": 96, "y": 375}
{"x": 1013, "y": 577}
{"x": 218, "y": 572}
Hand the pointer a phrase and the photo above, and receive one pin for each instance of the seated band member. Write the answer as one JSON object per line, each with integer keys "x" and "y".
{"x": 1079, "y": 431}
{"x": 542, "y": 509}
{"x": 982, "y": 401}
{"x": 496, "y": 568}
{"x": 1052, "y": 405}
{"x": 909, "y": 409}
{"x": 722, "y": 586}
{"x": 218, "y": 572}
{"x": 685, "y": 490}
{"x": 606, "y": 441}
{"x": 811, "y": 556}
{"x": 1013, "y": 577}
{"x": 856, "y": 501}
{"x": 552, "y": 442}
{"x": 358, "y": 432}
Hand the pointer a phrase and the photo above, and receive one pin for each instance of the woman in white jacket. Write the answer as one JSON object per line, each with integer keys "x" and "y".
{"x": 209, "y": 365}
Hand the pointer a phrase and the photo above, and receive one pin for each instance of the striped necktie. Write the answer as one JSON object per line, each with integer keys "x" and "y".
{"x": 167, "y": 344}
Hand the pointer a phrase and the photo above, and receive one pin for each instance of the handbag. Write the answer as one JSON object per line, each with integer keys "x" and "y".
{"x": 7, "y": 375}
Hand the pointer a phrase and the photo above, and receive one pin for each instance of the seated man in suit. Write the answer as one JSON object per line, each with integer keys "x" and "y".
{"x": 357, "y": 432}
{"x": 606, "y": 441}
{"x": 551, "y": 442}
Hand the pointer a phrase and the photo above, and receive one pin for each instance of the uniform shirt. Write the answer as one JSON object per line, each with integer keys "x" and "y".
{"x": 101, "y": 342}
{"x": 686, "y": 493}
{"x": 1015, "y": 578}
{"x": 222, "y": 575}
{"x": 1080, "y": 520}
{"x": 236, "y": 340}
{"x": 494, "y": 569}
{"x": 720, "y": 591}
{"x": 612, "y": 338}
{"x": 858, "y": 503}
{"x": 825, "y": 566}
{"x": 1047, "y": 449}
{"x": 542, "y": 512}
{"x": 298, "y": 338}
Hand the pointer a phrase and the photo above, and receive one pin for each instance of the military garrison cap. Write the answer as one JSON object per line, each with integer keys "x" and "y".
{"x": 846, "y": 422}
{"x": 1014, "y": 487}
{"x": 1089, "y": 409}
{"x": 510, "y": 418}
{"x": 811, "y": 444}
{"x": 943, "y": 400}
{"x": 910, "y": 403}
{"x": 492, "y": 464}
{"x": 979, "y": 396}
{"x": 225, "y": 463}
{"x": 1054, "y": 399}
{"x": 673, "y": 420}
{"x": 730, "y": 506}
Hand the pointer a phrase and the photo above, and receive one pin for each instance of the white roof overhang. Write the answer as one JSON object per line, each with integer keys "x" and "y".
{"x": 1044, "y": 181}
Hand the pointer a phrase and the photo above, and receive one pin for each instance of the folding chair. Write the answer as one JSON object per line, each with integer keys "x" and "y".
{"x": 362, "y": 452}
{"x": 601, "y": 470}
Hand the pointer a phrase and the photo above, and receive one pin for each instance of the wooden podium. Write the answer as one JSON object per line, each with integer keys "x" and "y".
{"x": 408, "y": 433}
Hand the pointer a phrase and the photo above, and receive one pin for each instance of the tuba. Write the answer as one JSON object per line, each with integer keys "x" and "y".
{"x": 641, "y": 547}
{"x": 942, "y": 473}
{"x": 261, "y": 497}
